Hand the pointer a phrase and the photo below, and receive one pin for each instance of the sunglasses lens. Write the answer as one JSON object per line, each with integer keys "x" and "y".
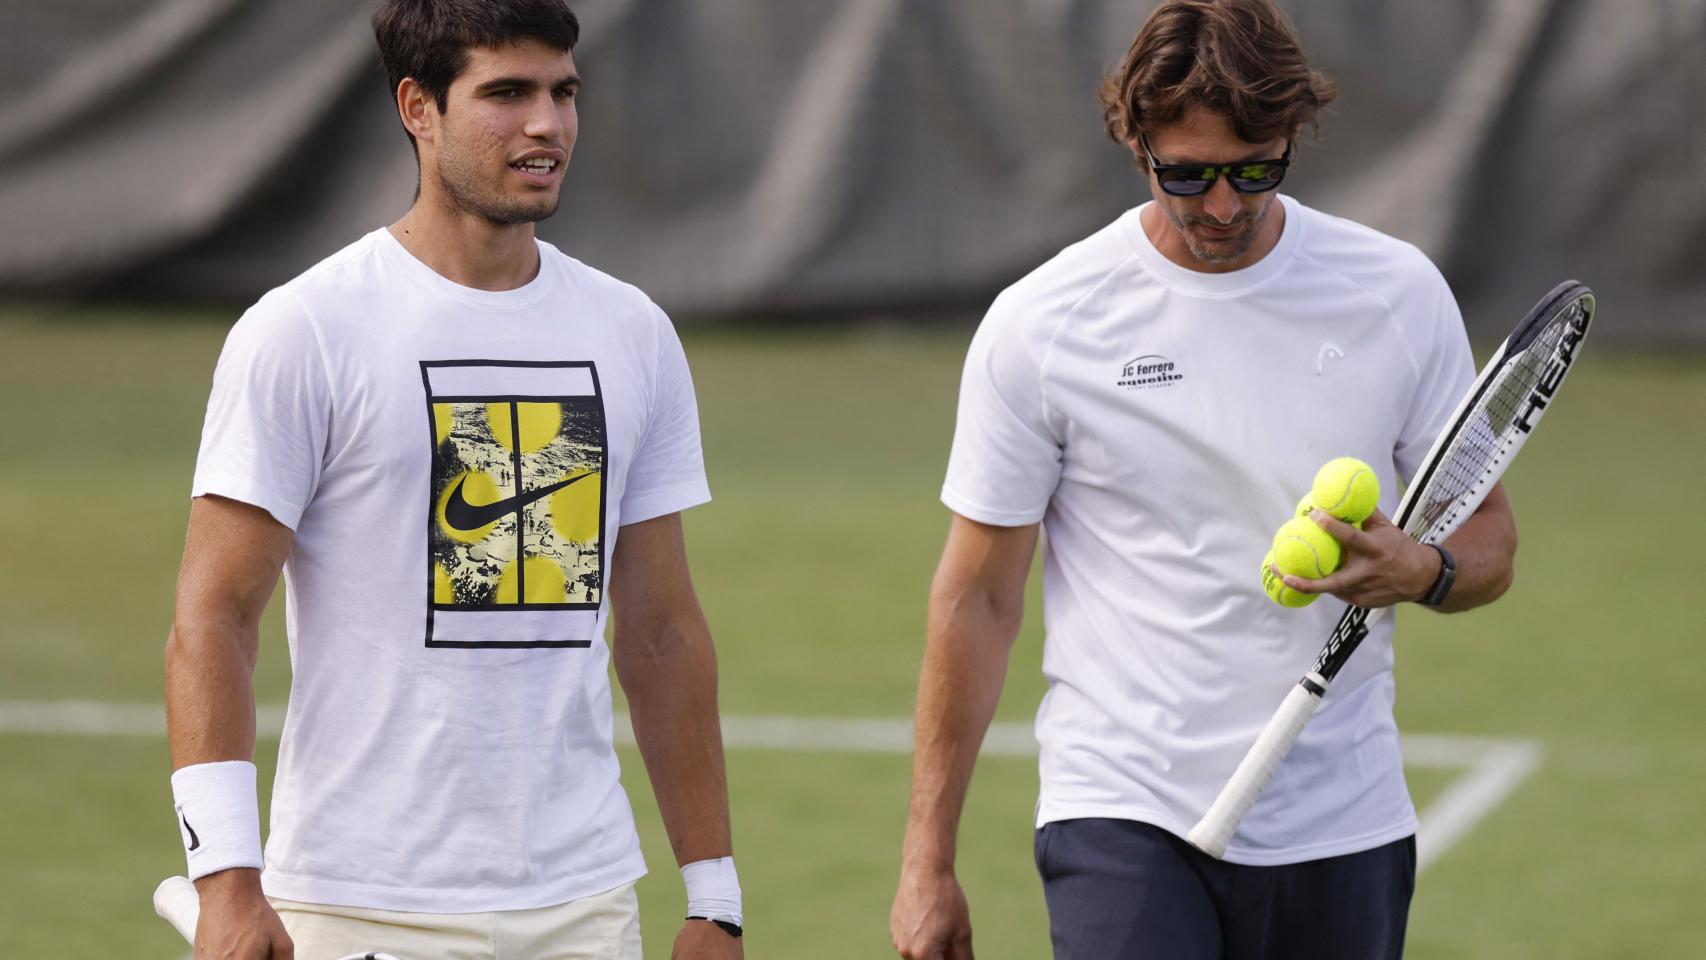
{"x": 1191, "y": 182}
{"x": 1257, "y": 177}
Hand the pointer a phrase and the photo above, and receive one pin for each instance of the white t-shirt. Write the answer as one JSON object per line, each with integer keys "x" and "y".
{"x": 1162, "y": 423}
{"x": 447, "y": 746}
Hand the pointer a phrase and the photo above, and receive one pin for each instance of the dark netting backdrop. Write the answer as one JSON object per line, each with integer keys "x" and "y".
{"x": 830, "y": 157}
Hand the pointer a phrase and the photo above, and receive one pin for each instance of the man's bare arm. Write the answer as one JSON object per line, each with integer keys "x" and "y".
{"x": 976, "y": 608}
{"x": 232, "y": 557}
{"x": 667, "y": 665}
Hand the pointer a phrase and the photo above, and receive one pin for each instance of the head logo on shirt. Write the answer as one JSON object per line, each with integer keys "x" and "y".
{"x": 517, "y": 517}
{"x": 1149, "y": 370}
{"x": 1328, "y": 353}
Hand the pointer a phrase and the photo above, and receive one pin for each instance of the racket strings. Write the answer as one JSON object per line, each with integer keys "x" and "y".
{"x": 1490, "y": 435}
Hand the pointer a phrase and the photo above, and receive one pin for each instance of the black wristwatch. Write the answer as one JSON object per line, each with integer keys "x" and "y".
{"x": 1442, "y": 584}
{"x": 728, "y": 926}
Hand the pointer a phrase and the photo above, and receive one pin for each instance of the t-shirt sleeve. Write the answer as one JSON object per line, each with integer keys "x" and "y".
{"x": 1006, "y": 459}
{"x": 1445, "y": 371}
{"x": 264, "y": 439}
{"x": 668, "y": 472}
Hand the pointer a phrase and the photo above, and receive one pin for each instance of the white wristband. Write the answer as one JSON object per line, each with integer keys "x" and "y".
{"x": 713, "y": 890}
{"x": 219, "y": 817}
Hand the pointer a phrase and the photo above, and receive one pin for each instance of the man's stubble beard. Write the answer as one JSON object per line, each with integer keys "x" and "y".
{"x": 1242, "y": 242}
{"x": 460, "y": 181}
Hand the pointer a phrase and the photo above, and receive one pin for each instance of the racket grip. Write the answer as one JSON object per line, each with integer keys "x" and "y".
{"x": 176, "y": 901}
{"x": 1214, "y": 831}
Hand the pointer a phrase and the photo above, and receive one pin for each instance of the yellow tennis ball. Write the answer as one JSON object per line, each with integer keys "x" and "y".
{"x": 1276, "y": 589}
{"x": 1346, "y": 488}
{"x": 1303, "y": 549}
{"x": 1305, "y": 505}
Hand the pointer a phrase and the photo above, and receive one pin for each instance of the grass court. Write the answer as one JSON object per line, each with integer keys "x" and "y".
{"x": 825, "y": 448}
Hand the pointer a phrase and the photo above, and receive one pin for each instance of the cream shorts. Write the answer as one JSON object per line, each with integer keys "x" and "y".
{"x": 604, "y": 926}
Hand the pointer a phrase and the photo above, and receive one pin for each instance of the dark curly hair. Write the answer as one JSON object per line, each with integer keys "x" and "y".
{"x": 1238, "y": 58}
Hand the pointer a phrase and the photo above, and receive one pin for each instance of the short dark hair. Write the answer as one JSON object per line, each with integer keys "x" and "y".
{"x": 1238, "y": 58}
{"x": 428, "y": 40}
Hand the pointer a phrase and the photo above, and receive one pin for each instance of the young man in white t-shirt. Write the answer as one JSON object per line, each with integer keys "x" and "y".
{"x": 463, "y": 449}
{"x": 1156, "y": 397}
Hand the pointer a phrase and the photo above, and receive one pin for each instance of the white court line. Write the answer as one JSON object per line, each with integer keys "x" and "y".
{"x": 1499, "y": 767}
{"x": 1493, "y": 768}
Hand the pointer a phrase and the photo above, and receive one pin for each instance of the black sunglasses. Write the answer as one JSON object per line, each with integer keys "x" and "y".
{"x": 1194, "y": 179}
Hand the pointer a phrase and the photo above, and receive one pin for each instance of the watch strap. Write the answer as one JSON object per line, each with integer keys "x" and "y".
{"x": 1447, "y": 576}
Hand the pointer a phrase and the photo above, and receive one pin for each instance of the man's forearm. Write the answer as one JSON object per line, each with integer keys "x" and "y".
{"x": 670, "y": 679}
{"x": 1484, "y": 549}
{"x": 210, "y": 697}
{"x": 232, "y": 556}
{"x": 965, "y": 666}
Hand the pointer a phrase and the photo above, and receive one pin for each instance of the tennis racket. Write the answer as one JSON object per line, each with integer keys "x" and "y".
{"x": 1511, "y": 394}
{"x": 176, "y": 902}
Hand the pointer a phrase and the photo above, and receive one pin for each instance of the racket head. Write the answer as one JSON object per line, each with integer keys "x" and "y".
{"x": 1512, "y": 393}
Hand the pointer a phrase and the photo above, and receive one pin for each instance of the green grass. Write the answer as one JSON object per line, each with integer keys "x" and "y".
{"x": 826, "y": 449}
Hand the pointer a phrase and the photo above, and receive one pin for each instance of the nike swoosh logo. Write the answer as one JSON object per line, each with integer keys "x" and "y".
{"x": 195, "y": 841}
{"x": 462, "y": 515}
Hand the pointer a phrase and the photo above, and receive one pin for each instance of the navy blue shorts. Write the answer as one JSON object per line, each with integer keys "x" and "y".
{"x": 1121, "y": 890}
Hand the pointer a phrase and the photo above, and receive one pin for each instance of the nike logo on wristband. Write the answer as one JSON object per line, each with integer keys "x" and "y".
{"x": 462, "y": 515}
{"x": 195, "y": 841}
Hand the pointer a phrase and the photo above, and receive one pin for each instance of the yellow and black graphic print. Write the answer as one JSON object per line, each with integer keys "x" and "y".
{"x": 517, "y": 518}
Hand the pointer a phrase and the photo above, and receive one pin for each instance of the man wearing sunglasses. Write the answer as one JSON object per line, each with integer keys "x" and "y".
{"x": 1219, "y": 229}
{"x": 1154, "y": 399}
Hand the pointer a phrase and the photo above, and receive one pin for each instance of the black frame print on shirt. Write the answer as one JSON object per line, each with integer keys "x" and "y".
{"x": 516, "y": 520}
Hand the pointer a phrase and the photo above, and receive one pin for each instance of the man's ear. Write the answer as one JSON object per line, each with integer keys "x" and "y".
{"x": 417, "y": 108}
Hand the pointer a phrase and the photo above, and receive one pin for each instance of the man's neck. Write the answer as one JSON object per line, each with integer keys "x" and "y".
{"x": 469, "y": 250}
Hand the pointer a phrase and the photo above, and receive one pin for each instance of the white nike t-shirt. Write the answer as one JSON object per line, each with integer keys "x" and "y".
{"x": 1162, "y": 423}
{"x": 457, "y": 466}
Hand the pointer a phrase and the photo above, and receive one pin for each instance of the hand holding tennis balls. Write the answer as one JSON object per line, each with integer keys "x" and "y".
{"x": 1346, "y": 489}
{"x": 1380, "y": 565}
{"x": 1339, "y": 529}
